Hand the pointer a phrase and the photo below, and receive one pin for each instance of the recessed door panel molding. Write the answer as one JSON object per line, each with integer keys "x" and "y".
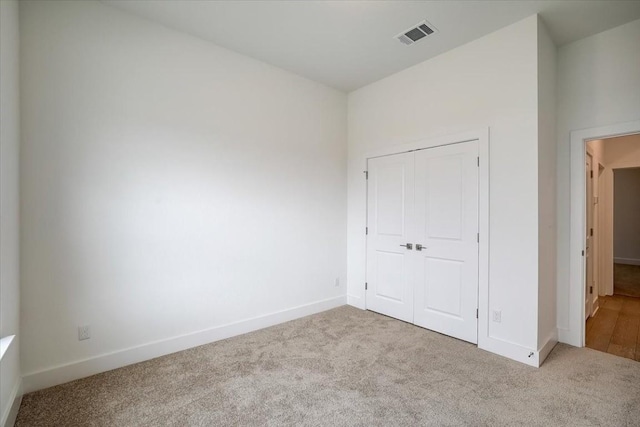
{"x": 443, "y": 286}
{"x": 389, "y": 267}
{"x": 444, "y": 189}
{"x": 389, "y": 185}
{"x": 422, "y": 242}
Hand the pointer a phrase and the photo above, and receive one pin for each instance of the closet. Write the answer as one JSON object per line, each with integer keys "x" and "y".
{"x": 422, "y": 238}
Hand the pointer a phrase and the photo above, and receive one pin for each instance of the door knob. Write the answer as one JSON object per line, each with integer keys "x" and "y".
{"x": 408, "y": 246}
{"x": 419, "y": 247}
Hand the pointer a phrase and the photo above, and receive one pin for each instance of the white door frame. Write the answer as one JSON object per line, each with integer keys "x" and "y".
{"x": 482, "y": 136}
{"x": 576, "y": 333}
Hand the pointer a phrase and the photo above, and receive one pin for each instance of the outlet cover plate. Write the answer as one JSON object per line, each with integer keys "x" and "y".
{"x": 84, "y": 333}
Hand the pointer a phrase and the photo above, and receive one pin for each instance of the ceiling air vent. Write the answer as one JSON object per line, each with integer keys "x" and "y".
{"x": 413, "y": 34}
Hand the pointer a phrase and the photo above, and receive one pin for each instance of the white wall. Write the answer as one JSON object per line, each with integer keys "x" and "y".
{"x": 9, "y": 204}
{"x": 626, "y": 216}
{"x": 598, "y": 85}
{"x": 168, "y": 185}
{"x": 490, "y": 82}
{"x": 547, "y": 142}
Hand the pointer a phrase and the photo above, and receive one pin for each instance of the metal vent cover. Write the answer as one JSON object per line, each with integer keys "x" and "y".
{"x": 415, "y": 33}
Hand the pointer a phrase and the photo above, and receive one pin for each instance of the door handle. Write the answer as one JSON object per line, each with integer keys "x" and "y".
{"x": 408, "y": 246}
{"x": 419, "y": 247}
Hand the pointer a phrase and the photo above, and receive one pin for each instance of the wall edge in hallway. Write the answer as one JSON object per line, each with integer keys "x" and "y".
{"x": 118, "y": 359}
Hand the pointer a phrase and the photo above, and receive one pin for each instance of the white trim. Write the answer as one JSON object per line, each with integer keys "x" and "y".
{"x": 547, "y": 347}
{"x": 575, "y": 334}
{"x": 628, "y": 261}
{"x": 484, "y": 340}
{"x": 11, "y": 412}
{"x": 83, "y": 368}
{"x": 517, "y": 352}
{"x": 596, "y": 305}
{"x": 482, "y": 136}
{"x": 356, "y": 301}
{"x": 421, "y": 144}
{"x": 12, "y": 404}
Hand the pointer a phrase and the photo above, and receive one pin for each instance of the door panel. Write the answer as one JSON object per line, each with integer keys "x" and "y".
{"x": 389, "y": 216}
{"x": 389, "y": 267}
{"x": 446, "y": 224}
{"x": 390, "y": 199}
{"x": 443, "y": 285}
{"x": 444, "y": 180}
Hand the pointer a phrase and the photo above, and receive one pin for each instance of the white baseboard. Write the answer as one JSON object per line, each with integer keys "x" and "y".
{"x": 356, "y": 301}
{"x": 517, "y": 352}
{"x": 547, "y": 347}
{"x": 628, "y": 261}
{"x": 11, "y": 412}
{"x": 510, "y": 350}
{"x": 83, "y": 368}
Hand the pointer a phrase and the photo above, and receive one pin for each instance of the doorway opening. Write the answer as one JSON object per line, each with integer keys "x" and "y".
{"x": 574, "y": 333}
{"x": 626, "y": 231}
{"x": 612, "y": 245}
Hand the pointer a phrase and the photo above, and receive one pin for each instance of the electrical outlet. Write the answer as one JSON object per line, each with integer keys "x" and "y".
{"x": 337, "y": 282}
{"x": 497, "y": 316}
{"x": 84, "y": 333}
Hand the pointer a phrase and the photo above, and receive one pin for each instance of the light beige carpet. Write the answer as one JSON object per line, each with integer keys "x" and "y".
{"x": 347, "y": 367}
{"x": 626, "y": 280}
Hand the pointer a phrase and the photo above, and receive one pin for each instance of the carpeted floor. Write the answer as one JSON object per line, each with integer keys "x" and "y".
{"x": 626, "y": 280}
{"x": 347, "y": 367}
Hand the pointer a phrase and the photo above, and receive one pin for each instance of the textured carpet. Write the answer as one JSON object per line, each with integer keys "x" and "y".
{"x": 347, "y": 367}
{"x": 626, "y": 280}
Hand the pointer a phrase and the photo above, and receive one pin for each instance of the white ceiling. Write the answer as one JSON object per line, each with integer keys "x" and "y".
{"x": 348, "y": 44}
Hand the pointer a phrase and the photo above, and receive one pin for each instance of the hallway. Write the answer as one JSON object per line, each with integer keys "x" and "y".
{"x": 626, "y": 279}
{"x": 615, "y": 328}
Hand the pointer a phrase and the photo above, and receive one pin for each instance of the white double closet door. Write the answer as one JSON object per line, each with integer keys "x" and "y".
{"x": 422, "y": 241}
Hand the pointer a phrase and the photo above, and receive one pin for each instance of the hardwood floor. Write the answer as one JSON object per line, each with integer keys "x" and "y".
{"x": 615, "y": 328}
{"x": 626, "y": 279}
